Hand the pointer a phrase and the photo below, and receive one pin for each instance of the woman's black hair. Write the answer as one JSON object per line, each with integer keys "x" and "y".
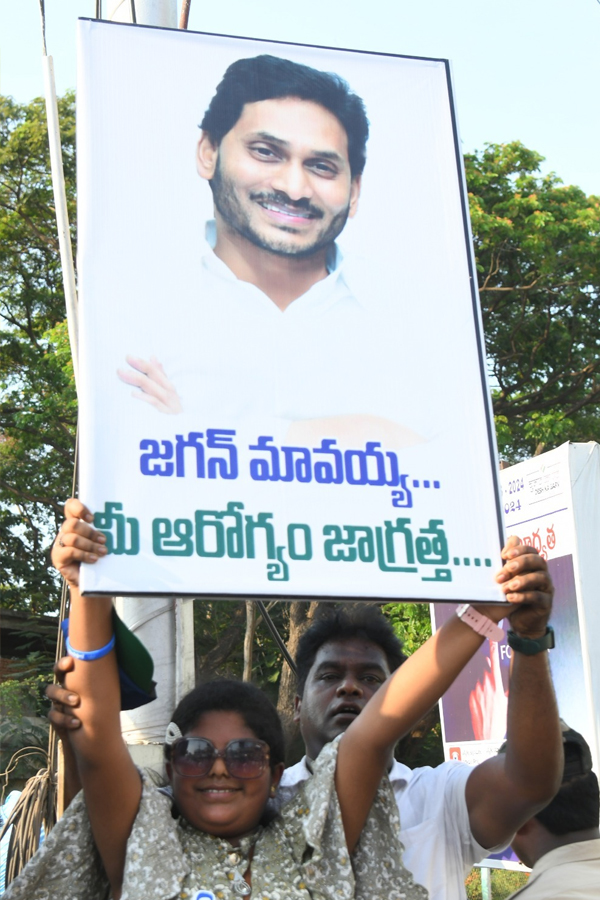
{"x": 226, "y": 695}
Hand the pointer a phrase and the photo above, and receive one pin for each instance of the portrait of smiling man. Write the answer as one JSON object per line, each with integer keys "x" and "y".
{"x": 285, "y": 176}
{"x": 283, "y": 149}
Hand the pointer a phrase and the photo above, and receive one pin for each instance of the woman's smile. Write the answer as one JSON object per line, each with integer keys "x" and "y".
{"x": 217, "y": 803}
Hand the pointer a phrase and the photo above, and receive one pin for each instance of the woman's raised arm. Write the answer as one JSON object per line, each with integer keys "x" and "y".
{"x": 111, "y": 783}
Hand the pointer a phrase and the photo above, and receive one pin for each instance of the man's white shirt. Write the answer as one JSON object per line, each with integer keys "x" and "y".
{"x": 570, "y": 872}
{"x": 439, "y": 847}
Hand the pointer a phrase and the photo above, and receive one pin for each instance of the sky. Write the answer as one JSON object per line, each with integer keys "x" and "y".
{"x": 525, "y": 70}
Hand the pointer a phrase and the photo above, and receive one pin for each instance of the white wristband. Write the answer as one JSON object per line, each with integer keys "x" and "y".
{"x": 479, "y": 623}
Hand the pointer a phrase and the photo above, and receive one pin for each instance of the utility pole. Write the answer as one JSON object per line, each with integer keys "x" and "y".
{"x": 165, "y": 625}
{"x": 162, "y": 13}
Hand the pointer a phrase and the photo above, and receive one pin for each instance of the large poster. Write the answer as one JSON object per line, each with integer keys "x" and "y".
{"x": 283, "y": 385}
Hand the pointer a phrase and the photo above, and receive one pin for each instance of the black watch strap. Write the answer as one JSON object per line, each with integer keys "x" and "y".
{"x": 531, "y": 646}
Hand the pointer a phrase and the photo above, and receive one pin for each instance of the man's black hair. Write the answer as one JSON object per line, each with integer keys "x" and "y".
{"x": 576, "y": 807}
{"x": 246, "y": 699}
{"x": 343, "y": 624}
{"x": 269, "y": 78}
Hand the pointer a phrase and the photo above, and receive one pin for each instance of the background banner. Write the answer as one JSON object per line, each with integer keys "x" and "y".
{"x": 283, "y": 386}
{"x": 551, "y": 503}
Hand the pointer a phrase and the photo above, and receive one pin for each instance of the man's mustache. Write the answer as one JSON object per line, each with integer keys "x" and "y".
{"x": 282, "y": 199}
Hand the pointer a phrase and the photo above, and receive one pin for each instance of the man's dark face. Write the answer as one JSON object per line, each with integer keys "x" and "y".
{"x": 343, "y": 677}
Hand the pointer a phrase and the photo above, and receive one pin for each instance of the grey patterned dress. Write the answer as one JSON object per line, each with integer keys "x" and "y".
{"x": 300, "y": 855}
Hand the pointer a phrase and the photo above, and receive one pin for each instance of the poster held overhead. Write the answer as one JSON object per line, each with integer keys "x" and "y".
{"x": 284, "y": 389}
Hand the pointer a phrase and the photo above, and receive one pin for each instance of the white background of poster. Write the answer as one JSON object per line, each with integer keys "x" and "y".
{"x": 551, "y": 502}
{"x": 141, "y": 94}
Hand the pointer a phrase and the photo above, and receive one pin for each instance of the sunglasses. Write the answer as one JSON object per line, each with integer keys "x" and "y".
{"x": 195, "y": 757}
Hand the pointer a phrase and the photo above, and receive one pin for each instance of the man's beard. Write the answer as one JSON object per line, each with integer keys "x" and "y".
{"x": 228, "y": 205}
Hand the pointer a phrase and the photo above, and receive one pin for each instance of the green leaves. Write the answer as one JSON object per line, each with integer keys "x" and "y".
{"x": 411, "y": 622}
{"x": 38, "y": 411}
{"x": 537, "y": 246}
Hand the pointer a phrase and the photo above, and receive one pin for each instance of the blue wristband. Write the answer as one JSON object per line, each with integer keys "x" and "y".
{"x": 89, "y": 655}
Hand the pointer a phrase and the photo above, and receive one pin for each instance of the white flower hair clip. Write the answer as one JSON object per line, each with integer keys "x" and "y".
{"x": 173, "y": 734}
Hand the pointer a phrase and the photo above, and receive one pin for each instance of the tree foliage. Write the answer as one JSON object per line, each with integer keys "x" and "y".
{"x": 537, "y": 245}
{"x": 37, "y": 397}
{"x": 219, "y": 628}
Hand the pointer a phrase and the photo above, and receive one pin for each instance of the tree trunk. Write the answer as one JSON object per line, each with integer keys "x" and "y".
{"x": 249, "y": 639}
{"x": 301, "y": 616}
{"x": 208, "y": 665}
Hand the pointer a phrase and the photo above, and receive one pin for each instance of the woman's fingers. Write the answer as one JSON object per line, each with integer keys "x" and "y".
{"x": 69, "y": 554}
{"x": 77, "y": 534}
{"x": 73, "y": 546}
{"x": 75, "y": 509}
{"x": 77, "y": 541}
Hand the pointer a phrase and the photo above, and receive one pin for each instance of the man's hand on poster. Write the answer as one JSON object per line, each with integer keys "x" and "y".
{"x": 488, "y": 703}
{"x": 526, "y": 582}
{"x": 149, "y": 377}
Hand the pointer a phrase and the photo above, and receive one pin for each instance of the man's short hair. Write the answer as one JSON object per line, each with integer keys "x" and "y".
{"x": 343, "y": 624}
{"x": 270, "y": 77}
{"x": 576, "y": 807}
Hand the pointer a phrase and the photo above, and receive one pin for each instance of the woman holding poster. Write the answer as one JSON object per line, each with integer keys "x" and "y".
{"x": 213, "y": 838}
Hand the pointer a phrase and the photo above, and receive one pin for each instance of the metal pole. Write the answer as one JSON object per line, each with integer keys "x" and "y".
{"x": 161, "y": 13}
{"x": 184, "y": 16}
{"x": 486, "y": 883}
{"x": 62, "y": 215}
